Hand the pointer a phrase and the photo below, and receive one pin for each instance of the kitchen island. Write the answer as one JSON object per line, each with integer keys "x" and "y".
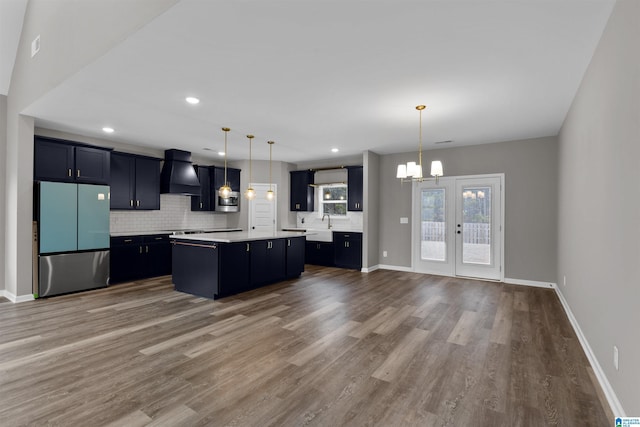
{"x": 223, "y": 264}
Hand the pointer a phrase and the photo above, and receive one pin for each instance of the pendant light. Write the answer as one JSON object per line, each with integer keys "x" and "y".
{"x": 250, "y": 193}
{"x": 270, "y": 193}
{"x": 412, "y": 171}
{"x": 225, "y": 189}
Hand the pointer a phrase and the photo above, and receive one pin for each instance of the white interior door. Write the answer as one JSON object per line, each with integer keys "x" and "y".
{"x": 262, "y": 211}
{"x": 457, "y": 227}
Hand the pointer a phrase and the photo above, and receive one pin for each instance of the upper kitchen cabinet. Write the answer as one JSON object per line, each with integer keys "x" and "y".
{"x": 233, "y": 178}
{"x": 301, "y": 194}
{"x": 135, "y": 182}
{"x": 66, "y": 161}
{"x": 354, "y": 186}
{"x": 205, "y": 201}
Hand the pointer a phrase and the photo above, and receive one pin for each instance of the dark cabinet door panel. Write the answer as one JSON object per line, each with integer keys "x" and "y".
{"x": 195, "y": 269}
{"x": 295, "y": 256}
{"x": 92, "y": 165}
{"x": 53, "y": 161}
{"x": 203, "y": 202}
{"x": 301, "y": 195}
{"x": 122, "y": 178}
{"x": 355, "y": 188}
{"x": 234, "y": 268}
{"x": 147, "y": 184}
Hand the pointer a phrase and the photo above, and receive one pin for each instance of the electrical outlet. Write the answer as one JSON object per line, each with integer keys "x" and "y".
{"x": 404, "y": 220}
{"x": 564, "y": 280}
{"x": 615, "y": 357}
{"x": 384, "y": 254}
{"x": 35, "y": 46}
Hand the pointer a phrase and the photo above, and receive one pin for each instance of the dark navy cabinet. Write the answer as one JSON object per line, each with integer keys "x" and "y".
{"x": 233, "y": 177}
{"x": 354, "y": 188}
{"x": 205, "y": 201}
{"x": 319, "y": 253}
{"x": 66, "y": 161}
{"x": 295, "y": 256}
{"x": 139, "y": 257}
{"x": 135, "y": 182}
{"x": 234, "y": 268}
{"x": 347, "y": 249}
{"x": 301, "y": 198}
{"x": 267, "y": 261}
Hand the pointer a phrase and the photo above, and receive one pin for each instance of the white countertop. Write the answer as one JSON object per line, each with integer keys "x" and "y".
{"x": 148, "y": 233}
{"x": 241, "y": 236}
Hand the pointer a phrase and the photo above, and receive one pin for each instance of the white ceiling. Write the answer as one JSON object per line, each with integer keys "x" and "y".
{"x": 11, "y": 18}
{"x": 345, "y": 74}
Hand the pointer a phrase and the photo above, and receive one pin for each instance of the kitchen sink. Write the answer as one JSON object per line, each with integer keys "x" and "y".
{"x": 322, "y": 235}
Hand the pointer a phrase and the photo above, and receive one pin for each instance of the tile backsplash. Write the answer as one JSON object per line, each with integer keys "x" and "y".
{"x": 174, "y": 214}
{"x": 313, "y": 220}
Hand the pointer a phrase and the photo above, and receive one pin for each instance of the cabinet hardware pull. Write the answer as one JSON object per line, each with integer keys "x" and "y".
{"x": 288, "y": 242}
{"x": 147, "y": 249}
{"x": 212, "y": 246}
{"x": 140, "y": 249}
{"x": 69, "y": 171}
{"x": 78, "y": 173}
{"x": 158, "y": 238}
{"x": 131, "y": 203}
{"x": 128, "y": 240}
{"x": 200, "y": 205}
{"x": 137, "y": 202}
{"x": 247, "y": 247}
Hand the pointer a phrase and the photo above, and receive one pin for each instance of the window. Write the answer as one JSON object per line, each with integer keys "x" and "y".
{"x": 333, "y": 199}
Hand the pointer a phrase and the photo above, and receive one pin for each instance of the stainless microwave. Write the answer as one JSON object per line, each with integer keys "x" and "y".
{"x": 228, "y": 204}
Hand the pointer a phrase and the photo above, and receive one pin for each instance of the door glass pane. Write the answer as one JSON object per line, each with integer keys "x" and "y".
{"x": 476, "y": 223}
{"x": 432, "y": 236}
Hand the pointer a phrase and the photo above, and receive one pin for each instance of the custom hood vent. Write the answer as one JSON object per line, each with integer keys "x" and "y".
{"x": 178, "y": 175}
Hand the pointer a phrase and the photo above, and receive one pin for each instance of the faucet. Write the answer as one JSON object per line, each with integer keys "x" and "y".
{"x": 329, "y": 222}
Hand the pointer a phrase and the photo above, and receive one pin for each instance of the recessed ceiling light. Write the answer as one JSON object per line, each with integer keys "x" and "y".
{"x": 107, "y": 130}
{"x": 334, "y": 150}
{"x": 220, "y": 153}
{"x": 192, "y": 100}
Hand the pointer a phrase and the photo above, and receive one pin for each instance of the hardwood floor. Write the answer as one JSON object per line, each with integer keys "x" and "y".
{"x": 333, "y": 348}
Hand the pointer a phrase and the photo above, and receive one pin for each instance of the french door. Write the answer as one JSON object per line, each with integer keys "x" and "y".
{"x": 457, "y": 227}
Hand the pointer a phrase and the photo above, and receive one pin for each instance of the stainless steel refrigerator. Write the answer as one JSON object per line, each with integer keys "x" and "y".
{"x": 72, "y": 237}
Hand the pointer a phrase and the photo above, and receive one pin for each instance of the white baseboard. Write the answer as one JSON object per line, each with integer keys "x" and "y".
{"x": 395, "y": 268}
{"x": 370, "y": 269}
{"x": 15, "y": 299}
{"x": 614, "y": 403}
{"x": 530, "y": 283}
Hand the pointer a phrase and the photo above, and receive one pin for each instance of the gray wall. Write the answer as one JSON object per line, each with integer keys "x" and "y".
{"x": 371, "y": 212}
{"x": 67, "y": 46}
{"x": 530, "y": 168}
{"x": 599, "y": 207}
{"x": 3, "y": 155}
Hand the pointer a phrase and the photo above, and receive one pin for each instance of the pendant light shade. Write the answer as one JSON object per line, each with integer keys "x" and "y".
{"x": 270, "y": 194}
{"x": 250, "y": 193}
{"x": 413, "y": 171}
{"x": 225, "y": 190}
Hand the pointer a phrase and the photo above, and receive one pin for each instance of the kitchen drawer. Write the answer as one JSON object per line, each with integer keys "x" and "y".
{"x": 126, "y": 240}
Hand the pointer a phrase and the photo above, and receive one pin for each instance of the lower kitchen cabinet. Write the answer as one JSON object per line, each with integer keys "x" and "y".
{"x": 234, "y": 268}
{"x": 267, "y": 261}
{"x": 319, "y": 253}
{"x": 295, "y": 256}
{"x": 347, "y": 249}
{"x": 215, "y": 270}
{"x": 139, "y": 257}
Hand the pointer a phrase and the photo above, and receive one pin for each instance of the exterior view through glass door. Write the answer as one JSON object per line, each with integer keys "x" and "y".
{"x": 457, "y": 227}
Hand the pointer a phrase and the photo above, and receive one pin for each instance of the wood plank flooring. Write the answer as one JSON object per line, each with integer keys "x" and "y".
{"x": 333, "y": 348}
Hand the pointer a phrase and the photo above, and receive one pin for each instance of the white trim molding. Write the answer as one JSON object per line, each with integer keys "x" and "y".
{"x": 396, "y": 268}
{"x": 370, "y": 269}
{"x": 614, "y": 403}
{"x": 15, "y": 299}
{"x": 530, "y": 283}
